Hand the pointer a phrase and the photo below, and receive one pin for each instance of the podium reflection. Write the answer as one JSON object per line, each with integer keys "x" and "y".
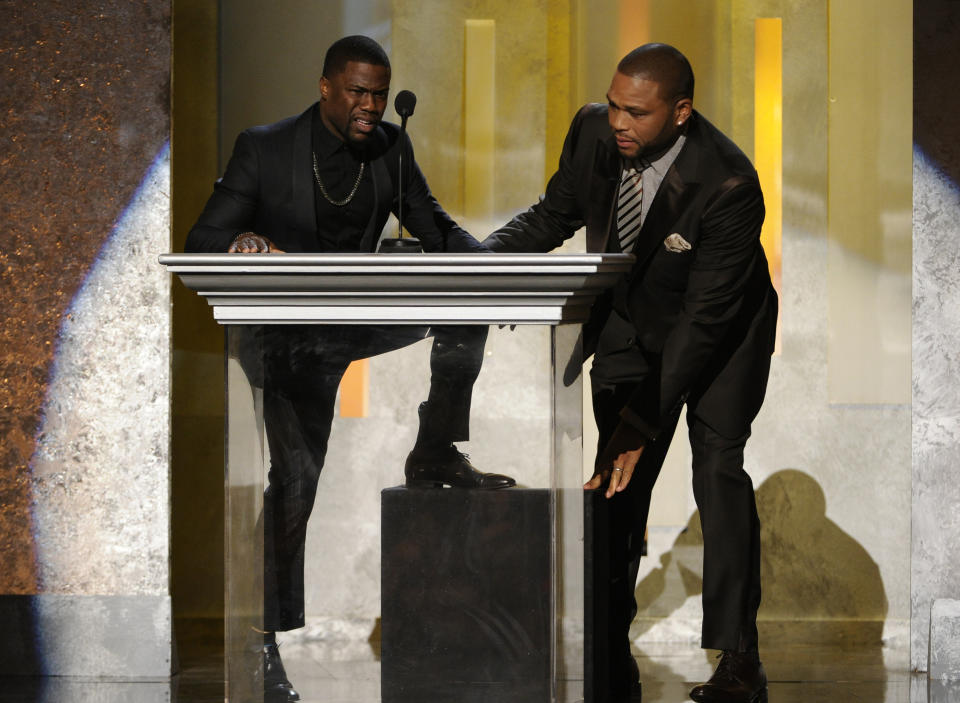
{"x": 467, "y": 588}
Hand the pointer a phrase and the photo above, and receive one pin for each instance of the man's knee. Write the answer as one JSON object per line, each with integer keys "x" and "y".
{"x": 458, "y": 350}
{"x": 718, "y": 467}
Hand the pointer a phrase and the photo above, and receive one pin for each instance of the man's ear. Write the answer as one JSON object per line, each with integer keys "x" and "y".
{"x": 324, "y": 88}
{"x": 682, "y": 111}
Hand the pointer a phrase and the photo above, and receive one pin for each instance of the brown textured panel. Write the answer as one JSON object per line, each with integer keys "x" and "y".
{"x": 83, "y": 112}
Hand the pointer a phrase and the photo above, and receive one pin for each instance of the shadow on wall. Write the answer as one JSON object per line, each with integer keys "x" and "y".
{"x": 818, "y": 582}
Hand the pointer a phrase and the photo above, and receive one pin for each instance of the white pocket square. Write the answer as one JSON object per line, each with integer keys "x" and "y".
{"x": 676, "y": 244}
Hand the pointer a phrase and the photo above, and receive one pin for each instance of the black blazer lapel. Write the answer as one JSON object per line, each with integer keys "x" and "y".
{"x": 675, "y": 193}
{"x": 302, "y": 190}
{"x": 603, "y": 187}
{"x": 382, "y": 191}
{"x": 382, "y": 199}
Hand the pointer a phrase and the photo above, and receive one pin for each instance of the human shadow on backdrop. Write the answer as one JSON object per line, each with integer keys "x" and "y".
{"x": 819, "y": 583}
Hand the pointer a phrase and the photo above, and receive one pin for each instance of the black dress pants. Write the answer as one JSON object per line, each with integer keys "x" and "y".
{"x": 301, "y": 369}
{"x": 724, "y": 495}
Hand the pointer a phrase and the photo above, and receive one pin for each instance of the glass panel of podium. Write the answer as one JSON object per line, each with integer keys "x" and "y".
{"x": 336, "y": 533}
{"x": 481, "y": 591}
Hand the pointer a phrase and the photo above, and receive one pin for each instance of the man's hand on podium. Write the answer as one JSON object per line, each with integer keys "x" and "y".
{"x": 253, "y": 243}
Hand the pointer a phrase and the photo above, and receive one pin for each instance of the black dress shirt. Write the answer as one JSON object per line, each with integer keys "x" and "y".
{"x": 340, "y": 227}
{"x": 269, "y": 188}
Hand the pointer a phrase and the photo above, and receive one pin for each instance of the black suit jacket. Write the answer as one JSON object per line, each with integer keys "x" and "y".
{"x": 268, "y": 188}
{"x": 704, "y": 318}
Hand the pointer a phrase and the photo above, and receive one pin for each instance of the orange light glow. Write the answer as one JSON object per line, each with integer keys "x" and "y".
{"x": 768, "y": 137}
{"x": 355, "y": 389}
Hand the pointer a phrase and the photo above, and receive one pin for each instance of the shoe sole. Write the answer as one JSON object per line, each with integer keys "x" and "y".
{"x": 422, "y": 483}
{"x": 758, "y": 697}
{"x": 428, "y": 483}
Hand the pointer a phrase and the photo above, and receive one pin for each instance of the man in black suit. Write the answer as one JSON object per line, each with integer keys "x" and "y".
{"x": 693, "y": 323}
{"x": 326, "y": 181}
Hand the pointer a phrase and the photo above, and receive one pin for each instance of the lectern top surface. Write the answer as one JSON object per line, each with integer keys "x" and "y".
{"x": 461, "y": 262}
{"x": 399, "y": 288}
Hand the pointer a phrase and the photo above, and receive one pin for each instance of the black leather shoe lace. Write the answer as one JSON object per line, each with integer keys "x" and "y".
{"x": 725, "y": 669}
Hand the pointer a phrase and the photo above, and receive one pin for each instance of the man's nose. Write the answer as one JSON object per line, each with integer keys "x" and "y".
{"x": 368, "y": 103}
{"x": 618, "y": 120}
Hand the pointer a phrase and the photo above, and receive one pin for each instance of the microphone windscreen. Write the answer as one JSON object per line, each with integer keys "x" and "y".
{"x": 404, "y": 103}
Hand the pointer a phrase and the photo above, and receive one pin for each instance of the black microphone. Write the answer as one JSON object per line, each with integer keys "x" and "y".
{"x": 404, "y": 104}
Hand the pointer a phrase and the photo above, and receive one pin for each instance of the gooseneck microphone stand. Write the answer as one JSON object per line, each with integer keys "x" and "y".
{"x": 404, "y": 104}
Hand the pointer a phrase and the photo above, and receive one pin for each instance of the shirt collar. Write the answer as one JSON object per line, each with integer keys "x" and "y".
{"x": 661, "y": 162}
{"x": 325, "y": 143}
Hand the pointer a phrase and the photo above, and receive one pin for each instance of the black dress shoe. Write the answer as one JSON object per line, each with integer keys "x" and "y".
{"x": 276, "y": 686}
{"x": 426, "y": 468}
{"x": 739, "y": 678}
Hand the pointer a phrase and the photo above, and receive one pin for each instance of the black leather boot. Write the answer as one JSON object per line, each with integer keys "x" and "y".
{"x": 276, "y": 686}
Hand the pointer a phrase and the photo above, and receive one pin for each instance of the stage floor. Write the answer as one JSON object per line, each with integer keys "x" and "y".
{"x": 351, "y": 674}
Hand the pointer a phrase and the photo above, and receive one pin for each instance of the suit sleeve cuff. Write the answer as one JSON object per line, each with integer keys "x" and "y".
{"x": 644, "y": 428}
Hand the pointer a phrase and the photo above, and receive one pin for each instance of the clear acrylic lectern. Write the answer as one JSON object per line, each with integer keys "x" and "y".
{"x": 482, "y": 592}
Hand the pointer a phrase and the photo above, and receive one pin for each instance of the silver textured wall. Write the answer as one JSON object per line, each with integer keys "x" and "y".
{"x": 935, "y": 568}
{"x": 84, "y": 399}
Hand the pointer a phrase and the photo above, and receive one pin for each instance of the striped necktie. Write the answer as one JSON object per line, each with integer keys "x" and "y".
{"x": 629, "y": 207}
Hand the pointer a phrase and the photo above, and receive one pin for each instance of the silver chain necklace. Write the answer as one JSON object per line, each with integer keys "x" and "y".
{"x": 323, "y": 191}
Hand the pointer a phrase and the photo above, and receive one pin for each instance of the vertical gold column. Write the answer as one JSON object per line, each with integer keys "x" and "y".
{"x": 869, "y": 206}
{"x": 197, "y": 408}
{"x": 478, "y": 118}
{"x": 634, "y": 26}
{"x": 561, "y": 80}
{"x": 768, "y": 133}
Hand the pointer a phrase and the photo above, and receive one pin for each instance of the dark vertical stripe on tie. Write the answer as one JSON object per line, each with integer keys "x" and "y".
{"x": 629, "y": 208}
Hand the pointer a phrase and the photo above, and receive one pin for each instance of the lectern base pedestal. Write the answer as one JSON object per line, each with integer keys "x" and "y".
{"x": 466, "y": 595}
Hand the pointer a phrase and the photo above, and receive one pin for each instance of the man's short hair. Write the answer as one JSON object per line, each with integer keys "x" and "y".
{"x": 663, "y": 64}
{"x": 353, "y": 48}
